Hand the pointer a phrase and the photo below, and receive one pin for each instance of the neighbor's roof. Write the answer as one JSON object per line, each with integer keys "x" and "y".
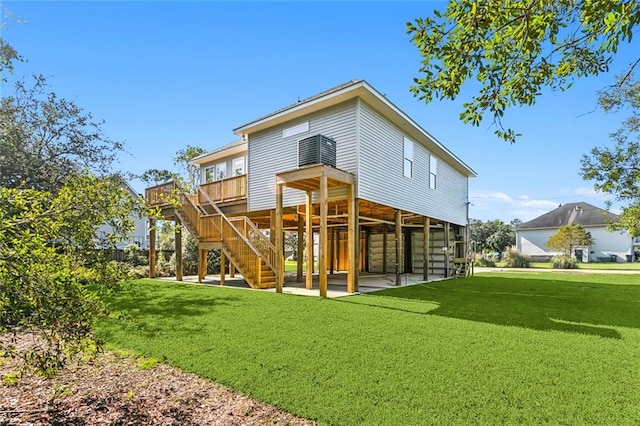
{"x": 219, "y": 152}
{"x": 572, "y": 213}
{"x": 351, "y": 90}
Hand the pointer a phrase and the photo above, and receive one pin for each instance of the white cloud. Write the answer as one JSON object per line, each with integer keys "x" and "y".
{"x": 487, "y": 205}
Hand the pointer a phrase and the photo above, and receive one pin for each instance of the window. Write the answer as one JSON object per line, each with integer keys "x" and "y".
{"x": 216, "y": 172}
{"x": 408, "y": 158}
{"x": 238, "y": 166}
{"x": 433, "y": 171}
{"x": 221, "y": 171}
{"x": 296, "y": 130}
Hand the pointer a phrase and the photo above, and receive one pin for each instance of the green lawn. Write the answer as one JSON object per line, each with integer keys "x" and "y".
{"x": 611, "y": 266}
{"x": 496, "y": 348}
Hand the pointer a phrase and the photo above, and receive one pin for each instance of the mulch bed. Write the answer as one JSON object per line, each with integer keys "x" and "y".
{"x": 112, "y": 389}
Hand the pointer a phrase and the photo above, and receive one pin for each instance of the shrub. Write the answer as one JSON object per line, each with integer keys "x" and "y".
{"x": 563, "y": 261}
{"x": 483, "y": 261}
{"x": 514, "y": 259}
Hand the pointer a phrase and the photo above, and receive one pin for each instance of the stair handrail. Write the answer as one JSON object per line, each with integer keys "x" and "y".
{"x": 225, "y": 221}
{"x": 184, "y": 199}
{"x": 269, "y": 250}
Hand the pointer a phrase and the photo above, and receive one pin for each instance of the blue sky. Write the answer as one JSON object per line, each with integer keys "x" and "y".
{"x": 164, "y": 75}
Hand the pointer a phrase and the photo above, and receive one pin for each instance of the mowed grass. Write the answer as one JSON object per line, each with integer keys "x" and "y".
{"x": 499, "y": 348}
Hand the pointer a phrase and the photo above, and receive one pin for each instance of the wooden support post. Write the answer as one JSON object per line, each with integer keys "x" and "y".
{"x": 232, "y": 270}
{"x": 202, "y": 264}
{"x": 338, "y": 250}
{"x": 399, "y": 258}
{"x": 152, "y": 248}
{"x": 279, "y": 240}
{"x": 384, "y": 248}
{"x": 272, "y": 226}
{"x": 425, "y": 248}
{"x": 353, "y": 241}
{"x": 178, "y": 248}
{"x": 322, "y": 255}
{"x": 447, "y": 255}
{"x": 300, "y": 249}
{"x": 309, "y": 236}
{"x": 223, "y": 267}
{"x": 332, "y": 250}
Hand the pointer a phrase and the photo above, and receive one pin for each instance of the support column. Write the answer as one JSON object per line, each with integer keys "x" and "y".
{"x": 279, "y": 240}
{"x": 202, "y": 264}
{"x": 332, "y": 250}
{"x": 353, "y": 241}
{"x": 322, "y": 256}
{"x": 384, "y": 248}
{"x": 232, "y": 270}
{"x": 152, "y": 248}
{"x": 272, "y": 226}
{"x": 300, "y": 248}
{"x": 425, "y": 248}
{"x": 223, "y": 267}
{"x": 178, "y": 248}
{"x": 309, "y": 236}
{"x": 446, "y": 253}
{"x": 399, "y": 258}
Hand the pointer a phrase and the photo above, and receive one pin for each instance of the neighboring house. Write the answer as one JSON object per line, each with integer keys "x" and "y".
{"x": 617, "y": 246}
{"x": 378, "y": 188}
{"x": 140, "y": 232}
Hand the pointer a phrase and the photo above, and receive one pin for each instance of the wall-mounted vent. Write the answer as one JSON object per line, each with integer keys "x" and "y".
{"x": 316, "y": 149}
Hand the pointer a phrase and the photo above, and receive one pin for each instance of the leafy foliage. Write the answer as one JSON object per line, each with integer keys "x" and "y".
{"x": 45, "y": 139}
{"x": 616, "y": 170}
{"x": 568, "y": 237}
{"x": 48, "y": 253}
{"x": 183, "y": 159}
{"x": 516, "y": 49}
{"x": 492, "y": 235}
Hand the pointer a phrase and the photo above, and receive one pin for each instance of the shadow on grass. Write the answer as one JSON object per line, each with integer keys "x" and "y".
{"x": 537, "y": 304}
{"x": 162, "y": 306}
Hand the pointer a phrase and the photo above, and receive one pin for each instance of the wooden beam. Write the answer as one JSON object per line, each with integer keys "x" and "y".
{"x": 272, "y": 226}
{"x": 279, "y": 241}
{"x": 152, "y": 248}
{"x": 322, "y": 256}
{"x": 309, "y": 236}
{"x": 223, "y": 268}
{"x": 232, "y": 270}
{"x": 425, "y": 248}
{"x": 399, "y": 258}
{"x": 300, "y": 248}
{"x": 178, "y": 248}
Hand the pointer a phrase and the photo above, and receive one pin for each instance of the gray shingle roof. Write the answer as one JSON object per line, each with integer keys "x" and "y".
{"x": 572, "y": 213}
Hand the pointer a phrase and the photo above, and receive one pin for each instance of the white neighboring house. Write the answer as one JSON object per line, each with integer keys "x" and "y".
{"x": 613, "y": 246}
{"x": 140, "y": 232}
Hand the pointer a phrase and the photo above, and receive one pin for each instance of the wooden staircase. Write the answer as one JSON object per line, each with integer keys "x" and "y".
{"x": 463, "y": 257}
{"x": 246, "y": 247}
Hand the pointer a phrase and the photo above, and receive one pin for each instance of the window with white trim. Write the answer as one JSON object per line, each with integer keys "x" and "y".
{"x": 221, "y": 171}
{"x": 215, "y": 172}
{"x": 433, "y": 171}
{"x": 238, "y": 166}
{"x": 408, "y": 158}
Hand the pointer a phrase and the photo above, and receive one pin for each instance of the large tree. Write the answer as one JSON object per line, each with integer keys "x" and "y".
{"x": 492, "y": 235}
{"x": 191, "y": 172}
{"x": 515, "y": 49}
{"x": 44, "y": 139}
{"x": 569, "y": 237}
{"x": 616, "y": 170}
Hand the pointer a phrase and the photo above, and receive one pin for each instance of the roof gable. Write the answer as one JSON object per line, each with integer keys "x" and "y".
{"x": 580, "y": 213}
{"x": 351, "y": 90}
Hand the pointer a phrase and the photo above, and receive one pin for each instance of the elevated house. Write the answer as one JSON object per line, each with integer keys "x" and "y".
{"x": 380, "y": 194}
{"x": 609, "y": 246}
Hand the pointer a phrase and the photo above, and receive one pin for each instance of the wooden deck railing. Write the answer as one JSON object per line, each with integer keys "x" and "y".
{"x": 160, "y": 195}
{"x": 232, "y": 188}
{"x": 248, "y": 245}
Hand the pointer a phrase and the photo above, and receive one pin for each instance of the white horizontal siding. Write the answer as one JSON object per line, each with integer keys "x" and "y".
{"x": 381, "y": 178}
{"x": 270, "y": 153}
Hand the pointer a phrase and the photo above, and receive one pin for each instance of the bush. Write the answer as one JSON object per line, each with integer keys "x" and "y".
{"x": 563, "y": 261}
{"x": 514, "y": 259}
{"x": 483, "y": 261}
